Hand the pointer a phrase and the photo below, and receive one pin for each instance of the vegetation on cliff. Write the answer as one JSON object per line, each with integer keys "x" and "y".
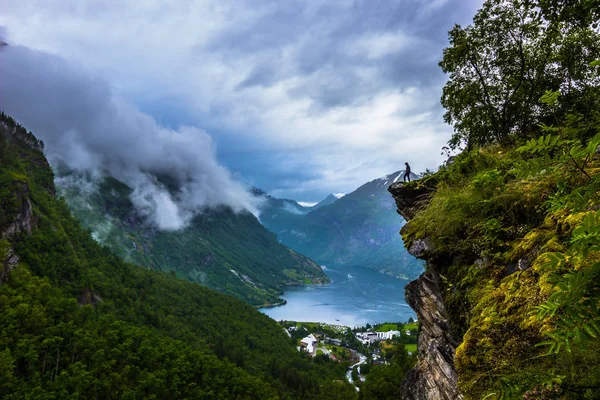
{"x": 512, "y": 224}
{"x": 78, "y": 322}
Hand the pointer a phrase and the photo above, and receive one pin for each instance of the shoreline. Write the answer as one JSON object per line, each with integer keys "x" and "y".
{"x": 272, "y": 305}
{"x": 283, "y": 302}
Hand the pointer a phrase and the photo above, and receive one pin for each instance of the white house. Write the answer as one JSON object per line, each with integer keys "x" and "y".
{"x": 387, "y": 335}
{"x": 371, "y": 337}
{"x": 366, "y": 337}
{"x": 309, "y": 343}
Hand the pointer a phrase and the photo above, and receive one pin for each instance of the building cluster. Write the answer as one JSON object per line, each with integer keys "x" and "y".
{"x": 372, "y": 337}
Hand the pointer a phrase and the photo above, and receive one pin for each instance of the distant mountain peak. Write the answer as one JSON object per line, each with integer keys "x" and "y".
{"x": 359, "y": 229}
{"x": 330, "y": 199}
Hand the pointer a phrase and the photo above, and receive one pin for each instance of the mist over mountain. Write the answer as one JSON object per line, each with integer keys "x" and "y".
{"x": 228, "y": 251}
{"x": 86, "y": 127}
{"x": 78, "y": 322}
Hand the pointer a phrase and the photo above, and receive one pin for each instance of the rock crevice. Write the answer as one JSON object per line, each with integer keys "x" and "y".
{"x": 434, "y": 376}
{"x": 23, "y": 223}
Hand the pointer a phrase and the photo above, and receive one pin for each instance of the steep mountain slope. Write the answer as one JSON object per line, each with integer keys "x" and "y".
{"x": 78, "y": 322}
{"x": 226, "y": 251}
{"x": 359, "y": 228}
{"x": 277, "y": 214}
{"x": 509, "y": 303}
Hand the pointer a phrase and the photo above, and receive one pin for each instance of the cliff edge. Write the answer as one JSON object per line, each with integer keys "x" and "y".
{"x": 434, "y": 376}
{"x": 508, "y": 305}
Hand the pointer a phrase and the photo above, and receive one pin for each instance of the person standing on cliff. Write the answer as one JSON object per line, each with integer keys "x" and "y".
{"x": 407, "y": 172}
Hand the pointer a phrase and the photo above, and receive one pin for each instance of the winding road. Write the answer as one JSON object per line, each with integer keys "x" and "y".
{"x": 362, "y": 360}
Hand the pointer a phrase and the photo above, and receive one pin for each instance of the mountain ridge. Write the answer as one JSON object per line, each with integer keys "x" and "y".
{"x": 228, "y": 251}
{"x": 359, "y": 228}
{"x": 77, "y": 321}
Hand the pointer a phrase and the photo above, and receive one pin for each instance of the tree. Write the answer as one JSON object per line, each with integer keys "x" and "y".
{"x": 504, "y": 62}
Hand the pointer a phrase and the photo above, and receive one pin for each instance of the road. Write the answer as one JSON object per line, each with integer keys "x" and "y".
{"x": 362, "y": 360}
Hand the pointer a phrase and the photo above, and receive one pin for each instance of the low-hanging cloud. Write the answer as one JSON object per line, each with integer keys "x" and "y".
{"x": 89, "y": 129}
{"x": 304, "y": 97}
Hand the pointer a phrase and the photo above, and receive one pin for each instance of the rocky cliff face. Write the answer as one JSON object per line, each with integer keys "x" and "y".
{"x": 23, "y": 222}
{"x": 16, "y": 211}
{"x": 434, "y": 377}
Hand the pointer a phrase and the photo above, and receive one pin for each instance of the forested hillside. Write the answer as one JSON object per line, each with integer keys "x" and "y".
{"x": 224, "y": 250}
{"x": 510, "y": 229}
{"x": 78, "y": 322}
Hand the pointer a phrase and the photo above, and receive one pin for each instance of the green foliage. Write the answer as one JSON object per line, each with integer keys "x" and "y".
{"x": 475, "y": 208}
{"x": 575, "y": 303}
{"x": 514, "y": 232}
{"x": 221, "y": 249}
{"x": 511, "y": 225}
{"x": 78, "y": 322}
{"x": 501, "y": 64}
{"x": 385, "y": 381}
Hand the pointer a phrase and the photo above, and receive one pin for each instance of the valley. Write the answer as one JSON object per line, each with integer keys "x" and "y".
{"x": 189, "y": 208}
{"x": 228, "y": 251}
{"x": 357, "y": 229}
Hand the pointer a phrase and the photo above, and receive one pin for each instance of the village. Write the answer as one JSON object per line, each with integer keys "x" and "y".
{"x": 359, "y": 348}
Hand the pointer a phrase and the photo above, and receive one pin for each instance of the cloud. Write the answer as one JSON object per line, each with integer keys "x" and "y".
{"x": 88, "y": 128}
{"x": 297, "y": 93}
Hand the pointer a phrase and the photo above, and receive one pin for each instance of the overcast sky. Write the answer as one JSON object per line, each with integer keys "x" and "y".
{"x": 300, "y": 98}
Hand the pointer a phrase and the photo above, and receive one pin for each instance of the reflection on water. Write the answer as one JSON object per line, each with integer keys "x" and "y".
{"x": 354, "y": 297}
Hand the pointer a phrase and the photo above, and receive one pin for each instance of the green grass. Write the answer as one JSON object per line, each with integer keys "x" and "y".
{"x": 412, "y": 326}
{"x": 17, "y": 176}
{"x": 412, "y": 348}
{"x": 308, "y": 325}
{"x": 385, "y": 327}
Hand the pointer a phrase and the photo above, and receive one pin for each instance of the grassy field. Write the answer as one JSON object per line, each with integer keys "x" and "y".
{"x": 412, "y": 326}
{"x": 385, "y": 327}
{"x": 308, "y": 325}
{"x": 389, "y": 326}
{"x": 412, "y": 348}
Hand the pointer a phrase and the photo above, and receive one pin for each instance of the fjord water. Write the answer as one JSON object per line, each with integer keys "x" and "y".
{"x": 354, "y": 297}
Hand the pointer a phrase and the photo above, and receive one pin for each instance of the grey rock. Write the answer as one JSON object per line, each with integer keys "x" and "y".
{"x": 89, "y": 297}
{"x": 10, "y": 261}
{"x": 434, "y": 376}
{"x": 482, "y": 262}
{"x": 523, "y": 264}
{"x": 23, "y": 222}
{"x": 410, "y": 198}
{"x": 420, "y": 247}
{"x": 450, "y": 161}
